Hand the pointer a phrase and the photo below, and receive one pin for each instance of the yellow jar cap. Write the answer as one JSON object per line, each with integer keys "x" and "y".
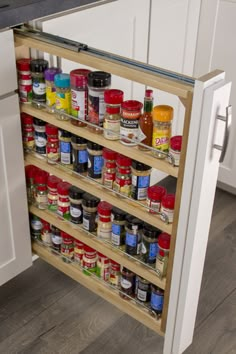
{"x": 163, "y": 113}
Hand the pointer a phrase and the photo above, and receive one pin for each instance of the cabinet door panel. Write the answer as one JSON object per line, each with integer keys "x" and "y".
{"x": 15, "y": 250}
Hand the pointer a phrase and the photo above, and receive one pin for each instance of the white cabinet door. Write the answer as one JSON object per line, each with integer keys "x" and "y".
{"x": 15, "y": 249}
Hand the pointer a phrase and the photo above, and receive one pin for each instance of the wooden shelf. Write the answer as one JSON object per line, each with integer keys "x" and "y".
{"x": 99, "y": 288}
{"x": 133, "y": 152}
{"x": 99, "y": 191}
{"x": 100, "y": 246}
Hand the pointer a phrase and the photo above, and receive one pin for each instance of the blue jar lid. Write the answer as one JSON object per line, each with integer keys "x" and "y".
{"x": 62, "y": 80}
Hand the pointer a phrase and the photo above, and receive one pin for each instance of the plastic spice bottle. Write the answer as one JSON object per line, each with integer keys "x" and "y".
{"x": 63, "y": 204}
{"x": 79, "y": 154}
{"x": 67, "y": 247}
{"x": 30, "y": 172}
{"x": 79, "y": 96}
{"x": 37, "y": 67}
{"x": 98, "y": 82}
{"x": 157, "y": 299}
{"x": 127, "y": 283}
{"x": 41, "y": 197}
{"x": 95, "y": 160}
{"x": 46, "y": 235}
{"x": 140, "y": 180}
{"x": 143, "y": 290}
{"x": 24, "y": 80}
{"x": 89, "y": 204}
{"x": 56, "y": 240}
{"x": 103, "y": 267}
{"x": 76, "y": 210}
{"x": 162, "y": 122}
{"x": 167, "y": 207}
{"x": 175, "y": 149}
{"x": 40, "y": 136}
{"x": 133, "y": 235}
{"x": 163, "y": 254}
{"x": 149, "y": 247}
{"x": 27, "y": 131}
{"x": 65, "y": 149}
{"x": 89, "y": 261}
{"x": 104, "y": 220}
{"x": 49, "y": 75}
{"x": 154, "y": 198}
{"x": 78, "y": 251}
{"x": 52, "y": 147}
{"x": 114, "y": 276}
{"x": 113, "y": 99}
{"x": 109, "y": 167}
{"x": 63, "y": 96}
{"x": 145, "y": 121}
{"x": 52, "y": 192}
{"x": 118, "y": 218}
{"x": 129, "y": 122}
{"x": 123, "y": 180}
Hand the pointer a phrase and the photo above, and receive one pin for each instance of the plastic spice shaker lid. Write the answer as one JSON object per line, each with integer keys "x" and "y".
{"x": 26, "y": 118}
{"x": 51, "y": 129}
{"x": 109, "y": 154}
{"x": 38, "y": 65}
{"x": 149, "y": 93}
{"x": 168, "y": 201}
{"x": 104, "y": 208}
{"x": 78, "y": 140}
{"x": 133, "y": 223}
{"x": 93, "y": 146}
{"x": 89, "y": 249}
{"x": 41, "y": 177}
{"x": 132, "y": 105}
{"x": 23, "y": 64}
{"x": 122, "y": 160}
{"x": 39, "y": 122}
{"x": 99, "y": 79}
{"x": 65, "y": 134}
{"x": 118, "y": 214}
{"x": 53, "y": 181}
{"x": 79, "y": 77}
{"x": 30, "y": 171}
{"x": 140, "y": 166}
{"x": 163, "y": 113}
{"x": 90, "y": 200}
{"x": 150, "y": 231}
{"x": 66, "y": 235}
{"x": 115, "y": 264}
{"x": 176, "y": 142}
{"x": 63, "y": 188}
{"x": 113, "y": 96}
{"x": 164, "y": 240}
{"x": 49, "y": 74}
{"x": 62, "y": 80}
{"x": 156, "y": 192}
{"x": 75, "y": 192}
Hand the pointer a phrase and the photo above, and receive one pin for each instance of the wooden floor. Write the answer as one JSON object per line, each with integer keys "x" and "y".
{"x": 43, "y": 311}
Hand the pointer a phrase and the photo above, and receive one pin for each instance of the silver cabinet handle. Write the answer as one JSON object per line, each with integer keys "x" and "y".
{"x": 227, "y": 119}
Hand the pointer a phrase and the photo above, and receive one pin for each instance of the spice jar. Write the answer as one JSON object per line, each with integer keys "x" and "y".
{"x": 65, "y": 149}
{"x": 76, "y": 210}
{"x": 157, "y": 299}
{"x": 89, "y": 204}
{"x": 163, "y": 254}
{"x": 79, "y": 154}
{"x": 167, "y": 207}
{"x": 143, "y": 290}
{"x": 52, "y": 147}
{"x": 154, "y": 198}
{"x": 67, "y": 247}
{"x": 103, "y": 267}
{"x": 24, "y": 80}
{"x": 149, "y": 247}
{"x": 40, "y": 136}
{"x": 140, "y": 180}
{"x": 129, "y": 122}
{"x": 79, "y": 96}
{"x": 37, "y": 67}
{"x": 56, "y": 240}
{"x": 30, "y": 172}
{"x": 49, "y": 75}
{"x": 98, "y": 82}
{"x": 63, "y": 96}
{"x": 95, "y": 160}
{"x": 27, "y": 131}
{"x": 46, "y": 233}
{"x": 89, "y": 260}
{"x": 145, "y": 121}
{"x": 118, "y": 218}
{"x": 41, "y": 197}
{"x": 175, "y": 149}
{"x": 104, "y": 220}
{"x": 127, "y": 283}
{"x": 63, "y": 204}
{"x": 114, "y": 276}
{"x": 122, "y": 183}
{"x": 162, "y": 121}
{"x": 133, "y": 236}
{"x": 52, "y": 192}
{"x": 35, "y": 227}
{"x": 78, "y": 251}
{"x": 109, "y": 167}
{"x": 113, "y": 99}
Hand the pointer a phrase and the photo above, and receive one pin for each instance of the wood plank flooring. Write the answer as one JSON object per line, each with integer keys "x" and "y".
{"x": 44, "y": 312}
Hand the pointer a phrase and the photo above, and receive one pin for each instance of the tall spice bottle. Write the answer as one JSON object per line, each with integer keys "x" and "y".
{"x": 145, "y": 121}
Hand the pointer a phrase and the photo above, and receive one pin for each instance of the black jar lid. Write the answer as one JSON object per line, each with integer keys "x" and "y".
{"x": 90, "y": 200}
{"x": 38, "y": 65}
{"x": 118, "y": 214}
{"x": 75, "y": 192}
{"x": 65, "y": 134}
{"x": 93, "y": 146}
{"x": 150, "y": 231}
{"x": 78, "y": 140}
{"x": 133, "y": 223}
{"x": 99, "y": 79}
{"x": 140, "y": 166}
{"x": 39, "y": 122}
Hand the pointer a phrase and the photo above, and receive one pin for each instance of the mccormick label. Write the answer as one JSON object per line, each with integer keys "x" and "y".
{"x": 129, "y": 128}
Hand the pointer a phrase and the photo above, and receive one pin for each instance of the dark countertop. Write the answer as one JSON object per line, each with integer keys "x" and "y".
{"x": 15, "y": 12}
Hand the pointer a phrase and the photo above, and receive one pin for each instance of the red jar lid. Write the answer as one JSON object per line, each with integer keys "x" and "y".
{"x": 41, "y": 177}
{"x": 46, "y": 225}
{"x": 114, "y": 264}
{"x": 176, "y": 142}
{"x": 79, "y": 77}
{"x": 113, "y": 96}
{"x": 30, "y": 171}
{"x": 79, "y": 244}
{"x": 156, "y": 192}
{"x": 122, "y": 160}
{"x": 109, "y": 154}
{"x": 149, "y": 93}
{"x": 104, "y": 208}
{"x": 132, "y": 105}
{"x": 89, "y": 249}
{"x": 168, "y": 201}
{"x": 53, "y": 181}
{"x": 26, "y": 118}
{"x": 66, "y": 235}
{"x": 23, "y": 64}
{"x": 51, "y": 129}
{"x": 63, "y": 188}
{"x": 164, "y": 240}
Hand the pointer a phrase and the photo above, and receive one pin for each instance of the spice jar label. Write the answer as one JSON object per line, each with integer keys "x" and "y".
{"x": 131, "y": 240}
{"x": 160, "y": 139}
{"x": 78, "y": 99}
{"x": 157, "y": 301}
{"x": 50, "y": 96}
{"x": 125, "y": 283}
{"x": 142, "y": 295}
{"x": 39, "y": 88}
{"x": 82, "y": 156}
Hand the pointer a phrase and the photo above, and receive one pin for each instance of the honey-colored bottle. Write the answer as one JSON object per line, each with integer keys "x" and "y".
{"x": 145, "y": 121}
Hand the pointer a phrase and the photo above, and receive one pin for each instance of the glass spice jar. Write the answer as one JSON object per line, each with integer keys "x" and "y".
{"x": 104, "y": 220}
{"x": 149, "y": 247}
{"x": 78, "y": 251}
{"x": 52, "y": 192}
{"x": 40, "y": 136}
{"x": 98, "y": 82}
{"x": 89, "y": 204}
{"x": 56, "y": 240}
{"x": 46, "y": 235}
{"x": 109, "y": 167}
{"x": 118, "y": 218}
{"x": 114, "y": 275}
{"x": 129, "y": 122}
{"x": 37, "y": 67}
{"x": 140, "y": 180}
{"x": 162, "y": 122}
{"x": 49, "y": 75}
{"x": 76, "y": 210}
{"x": 113, "y": 99}
{"x": 133, "y": 236}
{"x": 127, "y": 283}
{"x": 95, "y": 160}
{"x": 79, "y": 154}
{"x": 30, "y": 172}
{"x": 27, "y": 131}
{"x": 52, "y": 147}
{"x": 103, "y": 267}
{"x": 167, "y": 207}
{"x": 67, "y": 247}
{"x": 63, "y": 204}
{"x": 24, "y": 80}
{"x": 175, "y": 149}
{"x": 163, "y": 254}
{"x": 157, "y": 299}
{"x": 65, "y": 149}
{"x": 63, "y": 96}
{"x": 145, "y": 121}
{"x": 89, "y": 261}
{"x": 41, "y": 196}
{"x": 35, "y": 227}
{"x": 154, "y": 198}
{"x": 123, "y": 180}
{"x": 143, "y": 290}
{"x": 79, "y": 96}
